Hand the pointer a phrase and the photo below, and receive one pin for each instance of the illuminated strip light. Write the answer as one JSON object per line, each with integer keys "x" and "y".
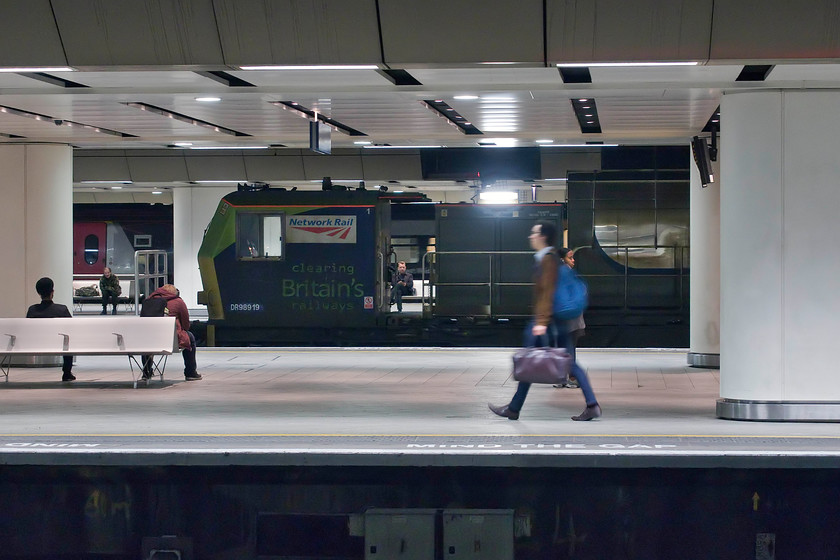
{"x": 227, "y": 147}
{"x": 183, "y": 118}
{"x": 61, "y": 122}
{"x": 313, "y": 67}
{"x": 374, "y": 147}
{"x": 312, "y": 115}
{"x": 624, "y": 64}
{"x": 578, "y": 145}
{"x": 24, "y": 69}
{"x": 116, "y": 181}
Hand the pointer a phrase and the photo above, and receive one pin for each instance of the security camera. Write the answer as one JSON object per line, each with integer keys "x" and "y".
{"x": 58, "y": 122}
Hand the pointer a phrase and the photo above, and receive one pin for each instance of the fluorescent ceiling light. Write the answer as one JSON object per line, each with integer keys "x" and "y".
{"x": 208, "y": 99}
{"x": 581, "y": 145}
{"x": 557, "y": 179}
{"x": 625, "y": 64}
{"x": 23, "y": 69}
{"x": 497, "y": 63}
{"x": 228, "y": 147}
{"x": 313, "y": 67}
{"x": 118, "y": 181}
{"x": 223, "y": 181}
{"x": 465, "y": 97}
{"x": 498, "y": 197}
{"x": 362, "y": 142}
{"x": 401, "y": 147}
{"x": 544, "y": 141}
{"x": 182, "y": 144}
{"x": 157, "y": 192}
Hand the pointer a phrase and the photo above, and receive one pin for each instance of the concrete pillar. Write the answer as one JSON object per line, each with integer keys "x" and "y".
{"x": 193, "y": 207}
{"x": 780, "y": 262}
{"x": 36, "y": 224}
{"x": 704, "y": 329}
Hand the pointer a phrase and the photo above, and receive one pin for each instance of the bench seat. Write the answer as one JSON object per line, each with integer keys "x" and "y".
{"x": 87, "y": 336}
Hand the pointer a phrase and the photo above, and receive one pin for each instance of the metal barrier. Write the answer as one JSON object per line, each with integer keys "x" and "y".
{"x": 151, "y": 271}
{"x": 429, "y": 262}
{"x": 676, "y": 267}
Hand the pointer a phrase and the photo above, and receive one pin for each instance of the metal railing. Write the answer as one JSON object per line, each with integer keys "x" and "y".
{"x": 620, "y": 255}
{"x": 151, "y": 271}
{"x": 429, "y": 261}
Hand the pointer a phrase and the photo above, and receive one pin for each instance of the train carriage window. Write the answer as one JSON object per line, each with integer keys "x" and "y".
{"x": 260, "y": 235}
{"x": 91, "y": 249}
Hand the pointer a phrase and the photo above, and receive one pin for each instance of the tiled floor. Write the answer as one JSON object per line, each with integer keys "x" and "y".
{"x": 314, "y": 404}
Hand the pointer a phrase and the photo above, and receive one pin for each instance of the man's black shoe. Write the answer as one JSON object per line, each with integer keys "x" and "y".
{"x": 504, "y": 411}
{"x": 193, "y": 377}
{"x": 68, "y": 376}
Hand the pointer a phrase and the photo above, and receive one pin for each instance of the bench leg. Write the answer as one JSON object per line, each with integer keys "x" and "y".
{"x": 158, "y": 363}
{"x": 5, "y": 364}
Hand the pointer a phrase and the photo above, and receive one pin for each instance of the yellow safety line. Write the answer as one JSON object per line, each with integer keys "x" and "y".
{"x": 590, "y": 436}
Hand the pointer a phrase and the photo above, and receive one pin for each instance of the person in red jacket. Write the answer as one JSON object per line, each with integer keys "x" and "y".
{"x": 176, "y": 307}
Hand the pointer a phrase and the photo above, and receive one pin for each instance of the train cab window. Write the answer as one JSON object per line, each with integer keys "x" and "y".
{"x": 260, "y": 236}
{"x": 91, "y": 249}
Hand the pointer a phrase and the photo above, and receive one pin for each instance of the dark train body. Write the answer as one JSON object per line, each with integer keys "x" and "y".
{"x": 282, "y": 267}
{"x": 313, "y": 268}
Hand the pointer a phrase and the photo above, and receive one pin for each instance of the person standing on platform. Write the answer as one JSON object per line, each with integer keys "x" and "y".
{"x": 542, "y": 238}
{"x": 401, "y": 285}
{"x": 575, "y": 327}
{"x": 109, "y": 286}
{"x": 47, "y": 309}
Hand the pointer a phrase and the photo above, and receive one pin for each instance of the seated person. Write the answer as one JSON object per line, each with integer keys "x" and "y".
{"x": 47, "y": 309}
{"x": 175, "y": 307}
{"x": 401, "y": 285}
{"x": 109, "y": 286}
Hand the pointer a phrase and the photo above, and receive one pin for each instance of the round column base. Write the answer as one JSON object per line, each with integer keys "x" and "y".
{"x": 696, "y": 359}
{"x": 778, "y": 411}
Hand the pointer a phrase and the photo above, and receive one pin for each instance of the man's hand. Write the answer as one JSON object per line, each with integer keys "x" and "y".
{"x": 539, "y": 330}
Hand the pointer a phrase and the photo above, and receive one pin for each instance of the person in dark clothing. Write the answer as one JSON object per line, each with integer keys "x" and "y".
{"x": 48, "y": 309}
{"x": 401, "y": 285}
{"x": 109, "y": 285}
{"x": 175, "y": 307}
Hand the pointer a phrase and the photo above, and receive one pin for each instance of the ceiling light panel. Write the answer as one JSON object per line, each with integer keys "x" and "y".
{"x": 684, "y": 75}
{"x": 310, "y": 114}
{"x": 586, "y": 112}
{"x": 181, "y": 117}
{"x": 322, "y": 80}
{"x": 141, "y": 80}
{"x": 444, "y": 110}
{"x": 486, "y": 76}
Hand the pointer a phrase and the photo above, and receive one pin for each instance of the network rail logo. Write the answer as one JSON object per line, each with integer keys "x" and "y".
{"x": 321, "y": 229}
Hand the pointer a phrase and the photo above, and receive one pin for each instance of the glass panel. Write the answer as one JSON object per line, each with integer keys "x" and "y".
{"x": 260, "y": 236}
{"x": 91, "y": 249}
{"x": 273, "y": 236}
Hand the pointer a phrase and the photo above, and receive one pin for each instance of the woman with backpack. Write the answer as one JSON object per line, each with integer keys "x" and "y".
{"x": 546, "y": 271}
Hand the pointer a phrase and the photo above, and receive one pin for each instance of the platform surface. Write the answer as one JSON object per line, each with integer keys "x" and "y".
{"x": 389, "y": 407}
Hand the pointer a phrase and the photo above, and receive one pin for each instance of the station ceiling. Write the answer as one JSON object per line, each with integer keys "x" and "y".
{"x": 125, "y": 75}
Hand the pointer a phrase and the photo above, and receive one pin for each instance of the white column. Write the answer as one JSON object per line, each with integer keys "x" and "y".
{"x": 36, "y": 224}
{"x": 193, "y": 207}
{"x": 780, "y": 261}
{"x": 704, "y": 328}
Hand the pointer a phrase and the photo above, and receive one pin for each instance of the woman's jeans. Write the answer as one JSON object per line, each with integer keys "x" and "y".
{"x": 563, "y": 340}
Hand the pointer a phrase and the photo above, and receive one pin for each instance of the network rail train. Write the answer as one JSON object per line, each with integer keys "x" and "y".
{"x": 285, "y": 267}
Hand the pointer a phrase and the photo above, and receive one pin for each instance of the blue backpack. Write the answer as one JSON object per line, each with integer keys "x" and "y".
{"x": 570, "y": 295}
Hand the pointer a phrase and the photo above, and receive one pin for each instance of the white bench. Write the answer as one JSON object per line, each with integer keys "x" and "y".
{"x": 79, "y": 336}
